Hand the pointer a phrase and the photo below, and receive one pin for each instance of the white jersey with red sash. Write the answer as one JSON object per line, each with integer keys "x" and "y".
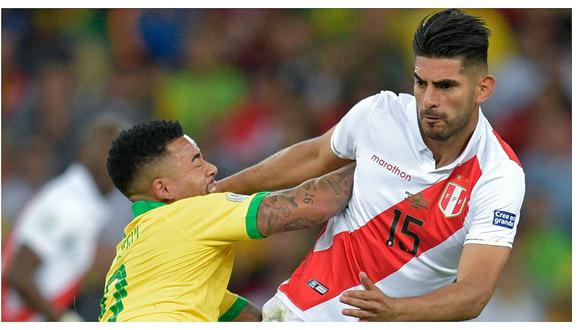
{"x": 62, "y": 226}
{"x": 407, "y": 221}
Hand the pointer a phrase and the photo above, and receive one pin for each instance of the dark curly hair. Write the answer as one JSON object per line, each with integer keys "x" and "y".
{"x": 452, "y": 33}
{"x": 137, "y": 147}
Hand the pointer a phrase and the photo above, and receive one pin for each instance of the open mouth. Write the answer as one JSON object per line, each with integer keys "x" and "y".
{"x": 211, "y": 187}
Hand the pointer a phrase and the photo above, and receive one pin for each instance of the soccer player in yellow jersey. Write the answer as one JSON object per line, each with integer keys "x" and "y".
{"x": 175, "y": 259}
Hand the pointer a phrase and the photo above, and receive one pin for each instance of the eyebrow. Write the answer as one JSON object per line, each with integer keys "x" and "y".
{"x": 416, "y": 76}
{"x": 196, "y": 156}
{"x": 450, "y": 82}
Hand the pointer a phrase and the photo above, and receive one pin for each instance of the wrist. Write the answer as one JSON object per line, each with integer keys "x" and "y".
{"x": 396, "y": 310}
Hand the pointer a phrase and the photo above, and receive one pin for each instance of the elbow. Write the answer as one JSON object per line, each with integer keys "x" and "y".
{"x": 316, "y": 215}
{"x": 474, "y": 312}
{"x": 327, "y": 210}
{"x": 477, "y": 306}
{"x": 319, "y": 213}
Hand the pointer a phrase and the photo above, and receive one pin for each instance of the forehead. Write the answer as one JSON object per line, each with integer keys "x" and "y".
{"x": 183, "y": 145}
{"x": 429, "y": 68}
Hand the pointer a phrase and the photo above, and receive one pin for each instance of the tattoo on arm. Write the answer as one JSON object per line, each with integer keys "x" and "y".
{"x": 308, "y": 204}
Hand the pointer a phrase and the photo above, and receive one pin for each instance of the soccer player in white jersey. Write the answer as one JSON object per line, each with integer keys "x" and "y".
{"x": 436, "y": 198}
{"x": 55, "y": 239}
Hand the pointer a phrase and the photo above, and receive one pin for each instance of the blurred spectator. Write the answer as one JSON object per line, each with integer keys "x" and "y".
{"x": 54, "y": 242}
{"x": 31, "y": 164}
{"x": 269, "y": 111}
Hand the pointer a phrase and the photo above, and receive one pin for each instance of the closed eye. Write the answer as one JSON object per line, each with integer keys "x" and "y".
{"x": 196, "y": 161}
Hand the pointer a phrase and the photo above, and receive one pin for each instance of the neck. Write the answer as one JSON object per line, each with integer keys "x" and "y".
{"x": 144, "y": 197}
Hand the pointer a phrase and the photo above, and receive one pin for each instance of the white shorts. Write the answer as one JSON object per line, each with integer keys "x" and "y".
{"x": 275, "y": 310}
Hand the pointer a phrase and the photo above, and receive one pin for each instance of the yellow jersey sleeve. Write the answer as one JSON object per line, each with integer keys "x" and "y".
{"x": 217, "y": 218}
{"x": 231, "y": 306}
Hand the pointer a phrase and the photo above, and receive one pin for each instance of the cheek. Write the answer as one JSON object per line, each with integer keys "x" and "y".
{"x": 196, "y": 183}
{"x": 456, "y": 103}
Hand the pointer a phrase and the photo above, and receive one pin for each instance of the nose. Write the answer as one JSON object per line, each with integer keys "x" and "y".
{"x": 212, "y": 170}
{"x": 430, "y": 99}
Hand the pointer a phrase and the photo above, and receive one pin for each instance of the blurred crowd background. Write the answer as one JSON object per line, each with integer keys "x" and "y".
{"x": 246, "y": 83}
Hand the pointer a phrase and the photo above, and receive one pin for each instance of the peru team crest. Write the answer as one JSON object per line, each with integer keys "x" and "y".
{"x": 453, "y": 200}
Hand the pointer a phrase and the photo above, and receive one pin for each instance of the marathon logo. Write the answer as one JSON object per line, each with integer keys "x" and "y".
{"x": 504, "y": 219}
{"x": 317, "y": 286}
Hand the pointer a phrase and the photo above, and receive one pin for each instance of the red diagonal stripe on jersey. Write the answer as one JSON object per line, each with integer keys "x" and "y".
{"x": 365, "y": 249}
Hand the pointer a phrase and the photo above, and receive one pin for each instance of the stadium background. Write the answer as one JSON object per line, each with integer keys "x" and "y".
{"x": 248, "y": 82}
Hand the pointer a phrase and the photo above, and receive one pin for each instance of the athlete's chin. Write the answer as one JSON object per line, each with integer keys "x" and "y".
{"x": 435, "y": 133}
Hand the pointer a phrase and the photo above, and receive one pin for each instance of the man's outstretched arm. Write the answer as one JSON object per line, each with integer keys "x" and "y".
{"x": 479, "y": 269}
{"x": 306, "y": 205}
{"x": 286, "y": 168}
{"x": 20, "y": 276}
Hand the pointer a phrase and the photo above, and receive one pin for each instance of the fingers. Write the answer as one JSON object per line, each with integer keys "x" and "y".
{"x": 370, "y": 289}
{"x": 365, "y": 300}
{"x": 366, "y": 281}
{"x": 355, "y": 302}
{"x": 359, "y": 313}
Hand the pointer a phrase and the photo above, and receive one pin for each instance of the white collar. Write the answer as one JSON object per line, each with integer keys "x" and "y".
{"x": 467, "y": 153}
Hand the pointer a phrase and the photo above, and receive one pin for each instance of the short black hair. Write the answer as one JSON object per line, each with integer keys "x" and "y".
{"x": 137, "y": 147}
{"x": 452, "y": 33}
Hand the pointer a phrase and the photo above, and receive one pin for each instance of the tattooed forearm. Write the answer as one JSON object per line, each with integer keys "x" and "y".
{"x": 308, "y": 204}
{"x": 340, "y": 180}
{"x": 275, "y": 208}
{"x": 296, "y": 225}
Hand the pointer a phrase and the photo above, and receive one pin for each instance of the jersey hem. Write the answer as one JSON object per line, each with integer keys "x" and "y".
{"x": 290, "y": 305}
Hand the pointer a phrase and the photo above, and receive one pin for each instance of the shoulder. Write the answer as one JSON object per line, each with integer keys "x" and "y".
{"x": 383, "y": 103}
{"x": 388, "y": 101}
{"x": 496, "y": 154}
{"x": 501, "y": 170}
{"x": 211, "y": 205}
{"x": 506, "y": 150}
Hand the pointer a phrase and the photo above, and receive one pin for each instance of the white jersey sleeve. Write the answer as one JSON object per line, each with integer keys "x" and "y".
{"x": 497, "y": 201}
{"x": 46, "y": 232}
{"x": 347, "y": 131}
{"x": 39, "y": 231}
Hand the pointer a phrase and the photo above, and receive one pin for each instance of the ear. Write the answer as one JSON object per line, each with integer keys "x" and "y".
{"x": 161, "y": 189}
{"x": 485, "y": 89}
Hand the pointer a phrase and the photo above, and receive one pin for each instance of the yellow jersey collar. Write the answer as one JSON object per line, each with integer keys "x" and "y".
{"x": 142, "y": 206}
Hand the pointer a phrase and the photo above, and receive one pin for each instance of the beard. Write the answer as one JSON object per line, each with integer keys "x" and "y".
{"x": 437, "y": 125}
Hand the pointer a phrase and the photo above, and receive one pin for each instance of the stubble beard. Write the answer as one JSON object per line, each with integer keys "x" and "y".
{"x": 451, "y": 128}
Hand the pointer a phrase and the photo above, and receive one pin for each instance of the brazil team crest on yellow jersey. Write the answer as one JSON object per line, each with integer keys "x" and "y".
{"x": 232, "y": 197}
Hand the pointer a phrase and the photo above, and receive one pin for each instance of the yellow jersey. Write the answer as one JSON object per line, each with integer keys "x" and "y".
{"x": 175, "y": 260}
